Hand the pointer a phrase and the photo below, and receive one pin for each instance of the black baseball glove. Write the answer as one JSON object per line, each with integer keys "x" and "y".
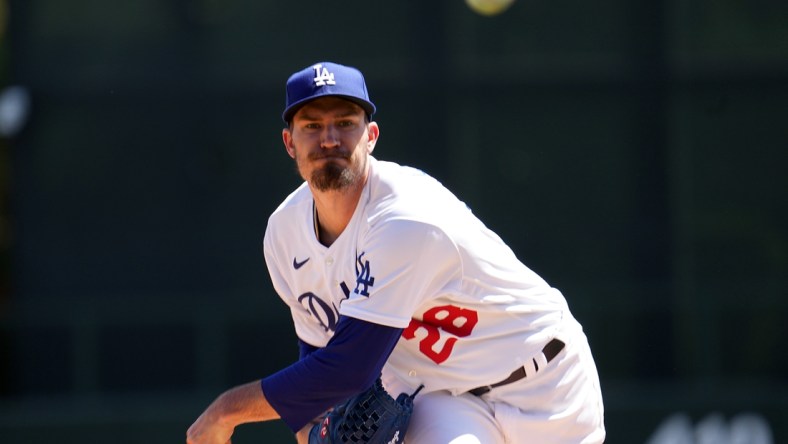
{"x": 372, "y": 417}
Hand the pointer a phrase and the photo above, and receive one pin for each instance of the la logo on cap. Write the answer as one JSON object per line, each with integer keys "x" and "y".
{"x": 322, "y": 76}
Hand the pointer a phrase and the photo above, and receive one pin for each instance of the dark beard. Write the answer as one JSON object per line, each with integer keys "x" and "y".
{"x": 332, "y": 177}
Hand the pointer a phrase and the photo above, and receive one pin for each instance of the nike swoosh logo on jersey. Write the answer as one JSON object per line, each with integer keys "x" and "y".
{"x": 297, "y": 264}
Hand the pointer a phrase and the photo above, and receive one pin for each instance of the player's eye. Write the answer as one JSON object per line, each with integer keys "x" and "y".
{"x": 345, "y": 123}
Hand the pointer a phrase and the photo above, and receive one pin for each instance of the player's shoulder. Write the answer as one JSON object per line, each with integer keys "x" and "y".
{"x": 291, "y": 206}
{"x": 403, "y": 191}
{"x": 408, "y": 186}
{"x": 392, "y": 173}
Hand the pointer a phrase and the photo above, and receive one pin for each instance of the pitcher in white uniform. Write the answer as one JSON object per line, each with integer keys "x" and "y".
{"x": 385, "y": 270}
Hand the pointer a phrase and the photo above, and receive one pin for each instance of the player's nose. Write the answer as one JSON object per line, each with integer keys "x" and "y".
{"x": 329, "y": 137}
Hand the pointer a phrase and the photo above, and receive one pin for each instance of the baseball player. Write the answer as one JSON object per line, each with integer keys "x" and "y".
{"x": 386, "y": 272}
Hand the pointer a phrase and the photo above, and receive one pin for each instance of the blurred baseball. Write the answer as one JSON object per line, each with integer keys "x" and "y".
{"x": 489, "y": 7}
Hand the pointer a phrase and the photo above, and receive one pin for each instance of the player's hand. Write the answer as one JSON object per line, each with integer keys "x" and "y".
{"x": 206, "y": 430}
{"x": 302, "y": 437}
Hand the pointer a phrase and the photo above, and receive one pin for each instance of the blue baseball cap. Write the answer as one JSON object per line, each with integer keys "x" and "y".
{"x": 326, "y": 79}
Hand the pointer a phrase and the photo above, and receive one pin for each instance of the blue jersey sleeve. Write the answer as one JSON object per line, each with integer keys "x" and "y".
{"x": 348, "y": 364}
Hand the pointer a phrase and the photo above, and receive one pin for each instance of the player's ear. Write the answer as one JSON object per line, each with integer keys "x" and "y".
{"x": 373, "y": 132}
{"x": 287, "y": 138}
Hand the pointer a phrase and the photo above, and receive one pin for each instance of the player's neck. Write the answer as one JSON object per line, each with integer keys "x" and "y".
{"x": 333, "y": 211}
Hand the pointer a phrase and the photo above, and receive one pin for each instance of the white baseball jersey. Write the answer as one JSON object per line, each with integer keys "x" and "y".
{"x": 414, "y": 257}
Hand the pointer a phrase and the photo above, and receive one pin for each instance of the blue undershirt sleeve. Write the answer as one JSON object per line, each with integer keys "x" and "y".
{"x": 350, "y": 362}
{"x": 305, "y": 349}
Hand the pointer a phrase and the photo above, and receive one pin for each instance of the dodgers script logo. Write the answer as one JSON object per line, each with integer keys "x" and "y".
{"x": 325, "y": 312}
{"x": 322, "y": 76}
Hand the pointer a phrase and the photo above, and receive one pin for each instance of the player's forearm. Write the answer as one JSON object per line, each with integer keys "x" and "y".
{"x": 349, "y": 364}
{"x": 239, "y": 405}
{"x": 242, "y": 404}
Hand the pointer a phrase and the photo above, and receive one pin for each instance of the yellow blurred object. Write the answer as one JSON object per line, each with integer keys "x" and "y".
{"x": 489, "y": 7}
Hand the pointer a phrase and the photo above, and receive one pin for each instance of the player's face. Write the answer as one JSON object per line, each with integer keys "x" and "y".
{"x": 330, "y": 139}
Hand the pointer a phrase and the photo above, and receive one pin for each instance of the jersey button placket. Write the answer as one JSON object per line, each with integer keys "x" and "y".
{"x": 329, "y": 262}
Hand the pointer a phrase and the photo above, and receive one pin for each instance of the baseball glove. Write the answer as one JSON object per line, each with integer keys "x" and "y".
{"x": 371, "y": 417}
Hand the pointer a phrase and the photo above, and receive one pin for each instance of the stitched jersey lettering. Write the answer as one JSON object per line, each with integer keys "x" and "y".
{"x": 327, "y": 315}
{"x": 364, "y": 279}
{"x": 450, "y": 319}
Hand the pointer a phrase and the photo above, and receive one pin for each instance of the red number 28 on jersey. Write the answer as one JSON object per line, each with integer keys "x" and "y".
{"x": 455, "y": 321}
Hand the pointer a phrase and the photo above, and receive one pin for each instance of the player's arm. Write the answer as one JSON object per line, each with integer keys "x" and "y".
{"x": 239, "y": 405}
{"x": 350, "y": 363}
{"x": 305, "y": 349}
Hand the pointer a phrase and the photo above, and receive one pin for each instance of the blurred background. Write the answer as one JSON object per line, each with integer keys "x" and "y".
{"x": 632, "y": 153}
